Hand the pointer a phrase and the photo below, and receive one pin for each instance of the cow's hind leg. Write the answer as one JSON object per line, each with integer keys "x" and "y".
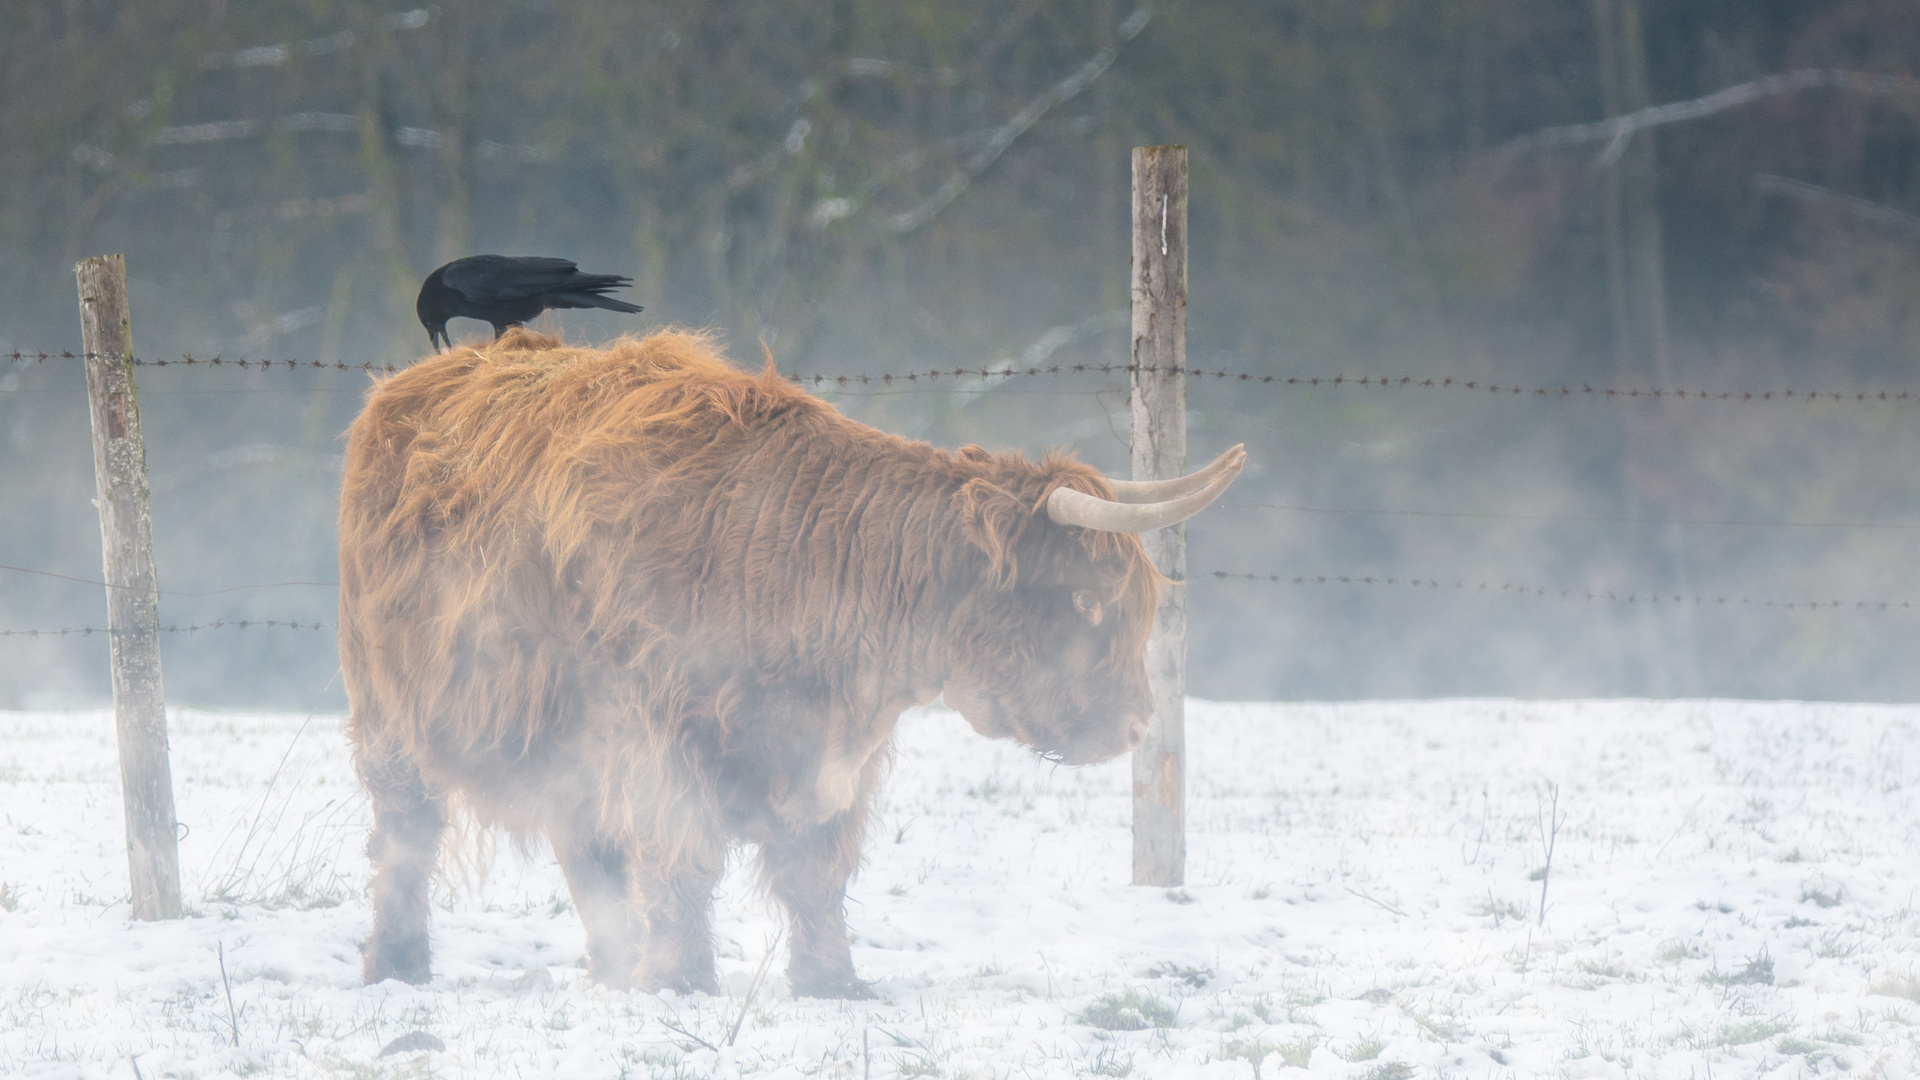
{"x": 408, "y": 821}
{"x": 808, "y": 873}
{"x": 596, "y": 870}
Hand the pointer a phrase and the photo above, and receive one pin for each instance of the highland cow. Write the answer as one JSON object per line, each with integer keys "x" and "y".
{"x": 644, "y": 605}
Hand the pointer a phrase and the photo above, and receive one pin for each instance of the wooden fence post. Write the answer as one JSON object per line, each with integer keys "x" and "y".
{"x": 1159, "y": 453}
{"x": 133, "y": 603}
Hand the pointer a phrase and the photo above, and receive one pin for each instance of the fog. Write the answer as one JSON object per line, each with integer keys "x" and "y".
{"x": 901, "y": 188}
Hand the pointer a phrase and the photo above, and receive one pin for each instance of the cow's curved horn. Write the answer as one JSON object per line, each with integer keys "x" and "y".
{"x": 1147, "y": 491}
{"x": 1069, "y": 507}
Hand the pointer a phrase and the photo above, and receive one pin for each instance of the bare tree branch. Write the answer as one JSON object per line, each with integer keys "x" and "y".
{"x": 1005, "y": 134}
{"x": 1852, "y": 204}
{"x": 1618, "y": 130}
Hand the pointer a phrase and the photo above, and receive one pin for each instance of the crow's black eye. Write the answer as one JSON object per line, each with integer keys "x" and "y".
{"x": 1087, "y": 603}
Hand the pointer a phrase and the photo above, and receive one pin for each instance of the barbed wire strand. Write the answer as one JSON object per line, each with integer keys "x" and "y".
{"x": 1459, "y": 585}
{"x": 168, "y": 592}
{"x": 1575, "y": 519}
{"x": 988, "y": 374}
{"x": 217, "y": 624}
{"x": 1287, "y": 507}
{"x": 1364, "y": 382}
{"x": 1591, "y": 596}
{"x": 210, "y": 363}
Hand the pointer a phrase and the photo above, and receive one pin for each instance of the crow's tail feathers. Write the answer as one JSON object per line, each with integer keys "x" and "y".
{"x": 585, "y": 290}
{"x": 596, "y": 283}
{"x": 573, "y": 299}
{"x": 592, "y": 300}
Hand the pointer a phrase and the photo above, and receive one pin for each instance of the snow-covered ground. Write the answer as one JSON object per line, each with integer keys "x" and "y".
{"x": 1732, "y": 892}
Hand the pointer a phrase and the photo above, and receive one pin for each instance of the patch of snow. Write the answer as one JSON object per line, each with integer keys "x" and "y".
{"x": 1732, "y": 892}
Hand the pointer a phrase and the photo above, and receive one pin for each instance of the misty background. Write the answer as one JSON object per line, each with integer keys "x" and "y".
{"x": 904, "y": 186}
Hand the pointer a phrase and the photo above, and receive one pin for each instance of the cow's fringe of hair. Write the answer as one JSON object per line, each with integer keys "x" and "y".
{"x": 470, "y": 848}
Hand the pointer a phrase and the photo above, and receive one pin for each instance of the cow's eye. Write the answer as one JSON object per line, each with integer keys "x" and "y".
{"x": 1087, "y": 603}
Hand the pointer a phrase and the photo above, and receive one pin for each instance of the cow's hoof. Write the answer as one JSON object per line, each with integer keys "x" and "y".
{"x": 845, "y": 987}
{"x": 409, "y": 961}
{"x": 611, "y": 979}
{"x": 680, "y": 983}
{"x": 378, "y": 973}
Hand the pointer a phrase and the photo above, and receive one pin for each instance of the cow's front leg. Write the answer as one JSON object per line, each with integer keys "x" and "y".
{"x": 671, "y": 884}
{"x": 595, "y": 866}
{"x": 808, "y": 872}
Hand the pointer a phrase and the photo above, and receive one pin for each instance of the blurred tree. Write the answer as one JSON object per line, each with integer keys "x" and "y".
{"x": 895, "y": 186}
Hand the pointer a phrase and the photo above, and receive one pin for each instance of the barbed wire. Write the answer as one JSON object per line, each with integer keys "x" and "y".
{"x": 1591, "y": 596}
{"x": 210, "y": 362}
{"x": 987, "y": 374}
{"x": 1572, "y": 519}
{"x": 1434, "y": 584}
{"x": 169, "y": 592}
{"x": 1365, "y": 382}
{"x": 217, "y": 624}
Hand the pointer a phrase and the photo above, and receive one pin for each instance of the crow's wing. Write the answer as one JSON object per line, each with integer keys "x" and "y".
{"x": 490, "y": 279}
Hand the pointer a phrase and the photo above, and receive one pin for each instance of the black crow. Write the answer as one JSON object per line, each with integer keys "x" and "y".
{"x": 507, "y": 290}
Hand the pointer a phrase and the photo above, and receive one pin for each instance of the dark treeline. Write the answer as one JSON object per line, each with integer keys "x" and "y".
{"x": 891, "y": 187}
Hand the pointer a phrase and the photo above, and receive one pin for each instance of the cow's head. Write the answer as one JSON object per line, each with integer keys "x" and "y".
{"x": 1050, "y": 639}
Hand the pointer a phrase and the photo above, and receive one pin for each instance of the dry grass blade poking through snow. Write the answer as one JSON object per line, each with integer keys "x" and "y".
{"x": 1550, "y": 821}
{"x": 264, "y": 858}
{"x": 233, "y": 1018}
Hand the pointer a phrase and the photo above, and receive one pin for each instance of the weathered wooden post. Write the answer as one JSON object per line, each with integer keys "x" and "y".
{"x": 133, "y": 603}
{"x": 1160, "y": 453}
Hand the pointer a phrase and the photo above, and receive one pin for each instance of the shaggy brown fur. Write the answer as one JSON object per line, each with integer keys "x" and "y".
{"x": 646, "y": 605}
